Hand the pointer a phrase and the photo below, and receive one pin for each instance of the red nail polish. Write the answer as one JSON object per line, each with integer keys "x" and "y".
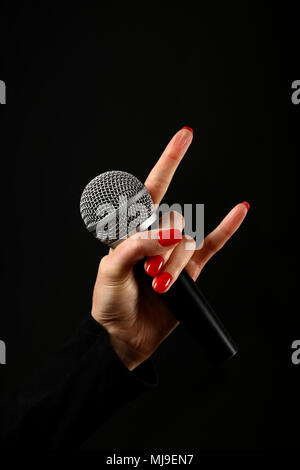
{"x": 246, "y": 204}
{"x": 169, "y": 237}
{"x": 154, "y": 265}
{"x": 188, "y": 128}
{"x": 162, "y": 282}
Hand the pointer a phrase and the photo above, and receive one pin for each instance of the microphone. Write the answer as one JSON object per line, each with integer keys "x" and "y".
{"x": 114, "y": 205}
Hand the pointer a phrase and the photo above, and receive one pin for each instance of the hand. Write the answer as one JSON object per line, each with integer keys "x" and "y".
{"x": 137, "y": 321}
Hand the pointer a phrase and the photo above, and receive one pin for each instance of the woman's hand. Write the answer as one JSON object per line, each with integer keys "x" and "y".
{"x": 137, "y": 320}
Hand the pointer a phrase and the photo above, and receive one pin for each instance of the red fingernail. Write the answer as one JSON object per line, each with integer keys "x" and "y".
{"x": 154, "y": 265}
{"x": 162, "y": 282}
{"x": 246, "y": 204}
{"x": 188, "y": 128}
{"x": 169, "y": 237}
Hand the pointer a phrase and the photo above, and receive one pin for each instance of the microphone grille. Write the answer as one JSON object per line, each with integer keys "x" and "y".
{"x": 107, "y": 191}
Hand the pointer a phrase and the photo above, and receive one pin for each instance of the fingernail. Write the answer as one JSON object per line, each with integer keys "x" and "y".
{"x": 169, "y": 237}
{"x": 188, "y": 128}
{"x": 154, "y": 265}
{"x": 162, "y": 282}
{"x": 246, "y": 204}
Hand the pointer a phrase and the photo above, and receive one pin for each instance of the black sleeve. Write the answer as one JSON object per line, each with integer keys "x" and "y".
{"x": 82, "y": 387}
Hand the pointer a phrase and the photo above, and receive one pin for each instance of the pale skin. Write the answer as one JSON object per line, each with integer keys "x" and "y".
{"x": 134, "y": 316}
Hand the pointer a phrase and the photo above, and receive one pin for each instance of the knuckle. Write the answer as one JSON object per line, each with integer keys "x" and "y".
{"x": 136, "y": 245}
{"x": 109, "y": 268}
{"x": 226, "y": 233}
{"x": 172, "y": 155}
{"x": 155, "y": 183}
{"x": 178, "y": 219}
{"x": 104, "y": 265}
{"x": 172, "y": 218}
{"x": 176, "y": 272}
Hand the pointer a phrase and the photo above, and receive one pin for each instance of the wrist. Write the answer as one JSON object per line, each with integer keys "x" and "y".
{"x": 126, "y": 352}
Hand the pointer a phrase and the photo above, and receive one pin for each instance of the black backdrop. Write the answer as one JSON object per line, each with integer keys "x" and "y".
{"x": 94, "y": 88}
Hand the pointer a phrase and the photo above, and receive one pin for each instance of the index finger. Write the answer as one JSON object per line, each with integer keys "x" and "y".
{"x": 162, "y": 173}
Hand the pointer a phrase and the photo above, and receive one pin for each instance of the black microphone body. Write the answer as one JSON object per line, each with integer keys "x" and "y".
{"x": 189, "y": 306}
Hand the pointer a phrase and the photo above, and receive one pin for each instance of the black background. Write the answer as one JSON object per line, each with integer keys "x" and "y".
{"x": 92, "y": 89}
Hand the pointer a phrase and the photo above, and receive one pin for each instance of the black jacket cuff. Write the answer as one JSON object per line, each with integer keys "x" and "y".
{"x": 80, "y": 388}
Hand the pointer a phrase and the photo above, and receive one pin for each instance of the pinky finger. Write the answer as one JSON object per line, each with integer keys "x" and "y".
{"x": 217, "y": 239}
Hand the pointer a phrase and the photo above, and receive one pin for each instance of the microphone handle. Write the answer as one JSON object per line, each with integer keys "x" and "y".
{"x": 189, "y": 306}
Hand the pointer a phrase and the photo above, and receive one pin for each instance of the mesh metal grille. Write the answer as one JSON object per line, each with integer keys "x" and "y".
{"x": 105, "y": 198}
